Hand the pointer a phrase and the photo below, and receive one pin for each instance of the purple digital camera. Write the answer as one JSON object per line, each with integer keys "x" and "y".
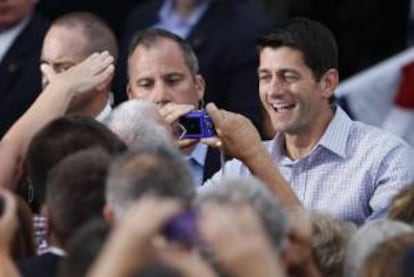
{"x": 197, "y": 124}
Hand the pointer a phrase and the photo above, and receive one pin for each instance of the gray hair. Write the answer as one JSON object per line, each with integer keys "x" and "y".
{"x": 254, "y": 192}
{"x": 330, "y": 238}
{"x": 367, "y": 238}
{"x": 135, "y": 122}
{"x": 157, "y": 169}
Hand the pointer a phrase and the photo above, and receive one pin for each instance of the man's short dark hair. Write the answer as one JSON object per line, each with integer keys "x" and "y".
{"x": 97, "y": 32}
{"x": 314, "y": 40}
{"x": 75, "y": 191}
{"x": 150, "y": 37}
{"x": 60, "y": 138}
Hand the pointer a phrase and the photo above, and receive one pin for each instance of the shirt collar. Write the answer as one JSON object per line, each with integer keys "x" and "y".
{"x": 105, "y": 112}
{"x": 334, "y": 138}
{"x": 336, "y": 135}
{"x": 168, "y": 16}
{"x": 199, "y": 154}
{"x": 56, "y": 250}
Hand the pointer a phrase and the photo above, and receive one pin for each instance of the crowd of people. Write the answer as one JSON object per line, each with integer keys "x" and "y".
{"x": 88, "y": 188}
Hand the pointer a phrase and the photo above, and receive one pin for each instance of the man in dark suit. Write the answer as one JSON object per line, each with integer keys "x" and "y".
{"x": 222, "y": 34}
{"x": 21, "y": 38}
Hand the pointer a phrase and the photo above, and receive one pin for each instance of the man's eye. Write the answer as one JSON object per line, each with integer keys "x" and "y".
{"x": 174, "y": 79}
{"x": 291, "y": 78}
{"x": 145, "y": 83}
{"x": 61, "y": 67}
{"x": 264, "y": 78}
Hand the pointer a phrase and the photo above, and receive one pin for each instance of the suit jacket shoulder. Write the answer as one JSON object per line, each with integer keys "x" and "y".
{"x": 20, "y": 77}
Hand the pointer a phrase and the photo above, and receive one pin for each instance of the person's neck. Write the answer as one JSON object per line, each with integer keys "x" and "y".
{"x": 186, "y": 8}
{"x": 94, "y": 107}
{"x": 97, "y": 106}
{"x": 300, "y": 144}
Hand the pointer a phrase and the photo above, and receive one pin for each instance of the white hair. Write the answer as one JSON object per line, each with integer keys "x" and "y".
{"x": 256, "y": 193}
{"x": 367, "y": 238}
{"x": 136, "y": 122}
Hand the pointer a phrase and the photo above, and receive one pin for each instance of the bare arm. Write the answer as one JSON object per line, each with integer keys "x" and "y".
{"x": 50, "y": 104}
{"x": 239, "y": 138}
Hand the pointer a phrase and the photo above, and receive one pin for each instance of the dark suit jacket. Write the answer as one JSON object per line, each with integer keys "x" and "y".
{"x": 224, "y": 42}
{"x": 212, "y": 164}
{"x": 20, "y": 77}
{"x": 367, "y": 31}
{"x": 40, "y": 266}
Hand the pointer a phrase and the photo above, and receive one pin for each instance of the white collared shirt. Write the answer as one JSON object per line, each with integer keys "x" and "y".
{"x": 196, "y": 161}
{"x": 105, "y": 112}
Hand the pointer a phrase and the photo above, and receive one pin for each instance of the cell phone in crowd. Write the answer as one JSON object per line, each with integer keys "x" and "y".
{"x": 183, "y": 229}
{"x": 196, "y": 125}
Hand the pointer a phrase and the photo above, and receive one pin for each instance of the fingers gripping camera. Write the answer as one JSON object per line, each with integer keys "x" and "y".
{"x": 197, "y": 124}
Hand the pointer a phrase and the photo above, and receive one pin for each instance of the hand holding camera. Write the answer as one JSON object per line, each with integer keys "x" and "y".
{"x": 197, "y": 125}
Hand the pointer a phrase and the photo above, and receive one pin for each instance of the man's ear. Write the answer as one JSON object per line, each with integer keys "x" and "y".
{"x": 329, "y": 81}
{"x": 129, "y": 92}
{"x": 200, "y": 86}
{"x": 108, "y": 214}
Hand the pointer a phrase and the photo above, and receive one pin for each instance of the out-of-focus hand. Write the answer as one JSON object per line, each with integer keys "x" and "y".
{"x": 8, "y": 220}
{"x": 96, "y": 71}
{"x": 188, "y": 262}
{"x": 171, "y": 112}
{"x": 298, "y": 255}
{"x": 130, "y": 246}
{"x": 237, "y": 237}
{"x": 236, "y": 135}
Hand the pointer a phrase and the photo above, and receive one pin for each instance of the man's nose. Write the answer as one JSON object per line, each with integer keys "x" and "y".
{"x": 276, "y": 88}
{"x": 161, "y": 95}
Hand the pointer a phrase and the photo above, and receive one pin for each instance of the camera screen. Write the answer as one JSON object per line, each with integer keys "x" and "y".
{"x": 192, "y": 125}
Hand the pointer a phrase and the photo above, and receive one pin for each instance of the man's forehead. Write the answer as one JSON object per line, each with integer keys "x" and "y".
{"x": 63, "y": 44}
{"x": 160, "y": 57}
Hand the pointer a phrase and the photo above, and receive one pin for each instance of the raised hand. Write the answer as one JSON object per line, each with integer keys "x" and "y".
{"x": 236, "y": 134}
{"x": 94, "y": 72}
{"x": 131, "y": 243}
{"x": 171, "y": 113}
{"x": 238, "y": 238}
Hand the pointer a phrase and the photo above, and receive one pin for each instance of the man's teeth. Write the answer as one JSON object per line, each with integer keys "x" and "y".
{"x": 281, "y": 107}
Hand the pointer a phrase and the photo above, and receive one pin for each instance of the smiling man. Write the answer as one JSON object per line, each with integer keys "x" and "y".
{"x": 328, "y": 162}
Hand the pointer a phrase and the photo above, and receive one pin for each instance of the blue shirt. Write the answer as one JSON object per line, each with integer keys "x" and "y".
{"x": 173, "y": 22}
{"x": 196, "y": 161}
{"x": 352, "y": 173}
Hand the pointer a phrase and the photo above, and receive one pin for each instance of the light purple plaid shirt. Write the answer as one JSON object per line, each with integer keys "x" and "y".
{"x": 352, "y": 173}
